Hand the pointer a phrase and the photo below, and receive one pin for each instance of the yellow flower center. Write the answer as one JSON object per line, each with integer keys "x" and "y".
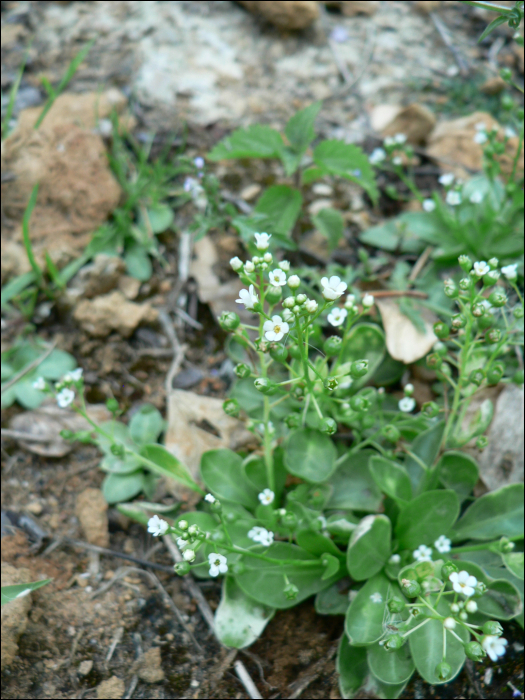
{"x": 277, "y": 329}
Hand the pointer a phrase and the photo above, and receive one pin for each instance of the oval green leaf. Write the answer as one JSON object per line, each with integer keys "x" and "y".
{"x": 239, "y": 620}
{"x": 369, "y": 547}
{"x": 514, "y": 563}
{"x": 164, "y": 463}
{"x": 116, "y": 487}
{"x": 365, "y": 616}
{"x": 426, "y": 517}
{"x": 351, "y": 666}
{"x": 390, "y": 667}
{"x": 223, "y": 474}
{"x": 146, "y": 425}
{"x": 353, "y": 485}
{"x": 426, "y": 447}
{"x": 459, "y": 472}
{"x": 495, "y": 514}
{"x": 365, "y": 342}
{"x": 310, "y": 455}
{"x": 391, "y": 478}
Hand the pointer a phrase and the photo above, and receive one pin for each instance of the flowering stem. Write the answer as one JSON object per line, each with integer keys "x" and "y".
{"x": 485, "y": 545}
{"x": 416, "y": 627}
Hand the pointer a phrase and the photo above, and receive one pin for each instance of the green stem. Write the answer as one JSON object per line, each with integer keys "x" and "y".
{"x": 416, "y": 627}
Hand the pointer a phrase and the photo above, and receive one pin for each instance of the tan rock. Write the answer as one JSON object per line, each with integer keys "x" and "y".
{"x": 285, "y": 14}
{"x": 85, "y": 667}
{"x": 112, "y": 312}
{"x": 114, "y": 687}
{"x": 493, "y": 86}
{"x": 415, "y": 121}
{"x": 92, "y": 511}
{"x": 14, "y": 614}
{"x": 350, "y": 8}
{"x": 149, "y": 666}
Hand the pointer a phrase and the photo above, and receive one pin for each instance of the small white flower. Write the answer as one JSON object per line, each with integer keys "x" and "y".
{"x": 76, "y": 374}
{"x": 181, "y": 543}
{"x": 394, "y": 559}
{"x": 400, "y": 138}
{"x": 429, "y": 205}
{"x": 65, "y": 397}
{"x": 294, "y": 282}
{"x": 509, "y": 132}
{"x": 476, "y": 197}
{"x": 210, "y": 498}
{"x": 311, "y": 306}
{"x": 249, "y": 267}
{"x": 198, "y": 162}
{"x": 397, "y": 160}
{"x": 389, "y": 141}
{"x": 510, "y": 271}
{"x": 442, "y": 544}
{"x": 481, "y": 268}
{"x": 453, "y": 198}
{"x": 494, "y": 646}
{"x": 268, "y": 257}
{"x": 284, "y": 265}
{"x": 480, "y": 126}
{"x": 449, "y": 623}
{"x": 333, "y": 288}
{"x": 446, "y": 179}
{"x": 471, "y": 606}
{"x": 39, "y": 383}
{"x": 454, "y": 608}
{"x": 423, "y": 553}
{"x": 261, "y": 535}
{"x": 217, "y": 563}
{"x": 463, "y": 582}
{"x": 277, "y": 278}
{"x": 337, "y": 316}
{"x": 248, "y": 297}
{"x": 407, "y": 404}
{"x": 408, "y": 389}
{"x": 236, "y": 263}
{"x": 288, "y": 316}
{"x": 377, "y": 156}
{"x": 368, "y": 300}
{"x": 262, "y": 240}
{"x": 275, "y": 329}
{"x": 376, "y": 598}
{"x": 349, "y": 301}
{"x": 266, "y": 497}
{"x": 157, "y": 526}
{"x": 480, "y": 137}
{"x": 189, "y": 555}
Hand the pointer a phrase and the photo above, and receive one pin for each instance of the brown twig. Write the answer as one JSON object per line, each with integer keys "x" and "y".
{"x": 420, "y": 264}
{"x": 178, "y": 349}
{"x": 395, "y": 293}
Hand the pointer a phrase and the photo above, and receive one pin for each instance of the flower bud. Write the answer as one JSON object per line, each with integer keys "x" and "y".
{"x": 293, "y": 420}
{"x": 519, "y": 377}
{"x": 505, "y": 545}
{"x": 465, "y": 263}
{"x": 451, "y": 291}
{"x": 332, "y": 345}
{"x": 328, "y": 426}
{"x": 231, "y": 407}
{"x": 495, "y": 373}
{"x": 249, "y": 267}
{"x": 265, "y": 386}
{"x": 458, "y": 321}
{"x": 193, "y": 529}
{"x": 242, "y": 371}
{"x": 441, "y": 330}
{"x": 278, "y": 352}
{"x": 443, "y": 671}
{"x": 465, "y": 283}
{"x": 289, "y": 520}
{"x": 391, "y": 433}
{"x": 358, "y": 368}
{"x": 491, "y": 278}
{"x": 396, "y": 605}
{"x": 256, "y": 260}
{"x": 236, "y": 263}
{"x": 485, "y": 321}
{"x": 479, "y": 590}
{"x": 517, "y": 312}
{"x": 182, "y": 568}
{"x": 493, "y": 336}
{"x": 291, "y": 591}
{"x": 449, "y": 623}
{"x": 216, "y": 506}
{"x": 273, "y": 295}
{"x": 447, "y": 569}
{"x": 301, "y": 298}
{"x": 430, "y": 409}
{"x": 477, "y": 310}
{"x": 289, "y": 302}
{"x": 481, "y": 442}
{"x": 493, "y": 628}
{"x": 476, "y": 377}
{"x": 112, "y": 405}
{"x": 267, "y": 257}
{"x": 311, "y": 306}
{"x": 434, "y": 361}
{"x": 189, "y": 555}
{"x": 296, "y": 310}
{"x": 394, "y": 642}
{"x": 331, "y": 383}
{"x": 410, "y": 587}
{"x": 474, "y": 651}
{"x": 284, "y": 265}
{"x": 359, "y": 403}
{"x": 471, "y": 606}
{"x": 498, "y": 298}
{"x": 294, "y": 282}
{"x": 229, "y": 321}
{"x": 493, "y": 263}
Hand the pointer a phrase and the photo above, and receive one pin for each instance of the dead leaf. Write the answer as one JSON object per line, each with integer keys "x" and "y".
{"x": 403, "y": 340}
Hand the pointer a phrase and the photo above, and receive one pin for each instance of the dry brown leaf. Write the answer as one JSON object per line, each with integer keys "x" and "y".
{"x": 403, "y": 340}
{"x": 197, "y": 424}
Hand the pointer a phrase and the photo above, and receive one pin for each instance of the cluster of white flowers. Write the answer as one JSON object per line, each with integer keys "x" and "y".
{"x": 64, "y": 394}
{"x": 261, "y": 535}
{"x": 424, "y": 553}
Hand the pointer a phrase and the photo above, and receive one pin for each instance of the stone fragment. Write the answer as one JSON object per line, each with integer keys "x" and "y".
{"x": 14, "y": 614}
{"x": 92, "y": 511}
{"x": 149, "y": 666}
{"x": 112, "y": 312}
{"x": 285, "y": 14}
{"x": 111, "y": 689}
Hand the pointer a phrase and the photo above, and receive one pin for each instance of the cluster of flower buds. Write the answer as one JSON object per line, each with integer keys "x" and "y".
{"x": 64, "y": 389}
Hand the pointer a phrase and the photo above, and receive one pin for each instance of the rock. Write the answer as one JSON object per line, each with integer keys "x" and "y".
{"x": 112, "y": 312}
{"x": 285, "y": 14}
{"x": 112, "y": 688}
{"x": 14, "y": 614}
{"x": 250, "y": 192}
{"x": 350, "y": 8}
{"x": 322, "y": 189}
{"x": 85, "y": 667}
{"x": 98, "y": 277}
{"x": 148, "y": 666}
{"x": 415, "y": 121}
{"x": 92, "y": 511}
{"x": 493, "y": 86}
{"x": 318, "y": 204}
{"x": 130, "y": 287}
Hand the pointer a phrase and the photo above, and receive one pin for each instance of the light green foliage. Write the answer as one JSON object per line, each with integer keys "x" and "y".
{"x": 10, "y": 593}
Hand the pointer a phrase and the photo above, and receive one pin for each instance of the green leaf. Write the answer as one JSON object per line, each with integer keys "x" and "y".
{"x": 117, "y": 487}
{"x": 138, "y": 262}
{"x": 264, "y": 580}
{"x": 495, "y": 514}
{"x": 332, "y": 565}
{"x": 351, "y": 666}
{"x": 10, "y": 593}
{"x": 353, "y": 485}
{"x": 459, "y": 472}
{"x": 317, "y": 544}
{"x": 375, "y": 688}
{"x": 310, "y": 455}
{"x": 300, "y": 128}
{"x": 391, "y": 478}
{"x": 118, "y": 433}
{"x": 115, "y": 465}
{"x": 502, "y": 599}
{"x": 514, "y": 563}
{"x": 256, "y": 141}
{"x": 331, "y": 602}
{"x": 166, "y": 464}
{"x": 146, "y": 425}
{"x": 396, "y": 234}
{"x": 281, "y": 206}
{"x": 56, "y": 365}
{"x": 255, "y": 471}
{"x": 426, "y": 647}
{"x": 26, "y": 395}
{"x": 426, "y": 446}
{"x": 369, "y": 547}
{"x": 478, "y": 425}
{"x": 348, "y": 161}
{"x": 331, "y": 224}
{"x": 160, "y": 217}
{"x": 495, "y": 23}
{"x": 390, "y": 667}
{"x": 426, "y": 517}
{"x": 239, "y": 620}
{"x": 365, "y": 342}
{"x": 311, "y": 174}
{"x": 365, "y": 617}
{"x": 223, "y": 475}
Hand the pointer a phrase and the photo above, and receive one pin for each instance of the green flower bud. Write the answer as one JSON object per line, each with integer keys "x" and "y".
{"x": 117, "y": 449}
{"x": 290, "y": 591}
{"x": 447, "y": 569}
{"x": 112, "y": 405}
{"x": 506, "y": 74}
{"x": 293, "y": 420}
{"x": 498, "y": 298}
{"x": 301, "y": 298}
{"x": 67, "y": 434}
{"x": 242, "y": 371}
{"x": 451, "y": 291}
{"x": 238, "y": 568}
{"x": 434, "y": 361}
{"x": 465, "y": 283}
{"x": 485, "y": 321}
{"x": 480, "y": 589}
{"x": 440, "y": 348}
{"x": 492, "y": 627}
{"x": 278, "y": 352}
{"x": 367, "y": 421}
{"x": 517, "y": 312}
{"x": 229, "y": 321}
{"x": 493, "y": 263}
{"x": 465, "y": 263}
{"x": 289, "y": 302}
{"x": 474, "y": 651}
{"x": 430, "y": 409}
{"x": 193, "y": 529}
{"x": 476, "y": 377}
{"x": 394, "y": 642}
{"x": 328, "y": 426}
{"x": 441, "y": 330}
{"x": 265, "y": 386}
{"x": 518, "y": 377}
{"x": 493, "y": 336}
{"x": 478, "y": 310}
{"x": 463, "y": 615}
{"x": 458, "y": 321}
{"x": 331, "y": 383}
{"x": 358, "y": 369}
{"x": 297, "y": 309}
{"x": 391, "y": 433}
{"x": 295, "y": 352}
{"x": 410, "y": 587}
{"x": 481, "y": 442}
{"x": 289, "y": 520}
{"x": 332, "y": 346}
{"x": 183, "y": 524}
{"x": 216, "y": 506}
{"x": 231, "y": 407}
{"x": 273, "y": 295}
{"x": 396, "y": 605}
{"x": 505, "y": 545}
{"x": 182, "y": 568}
{"x": 495, "y": 373}
{"x": 359, "y": 403}
{"x": 443, "y": 671}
